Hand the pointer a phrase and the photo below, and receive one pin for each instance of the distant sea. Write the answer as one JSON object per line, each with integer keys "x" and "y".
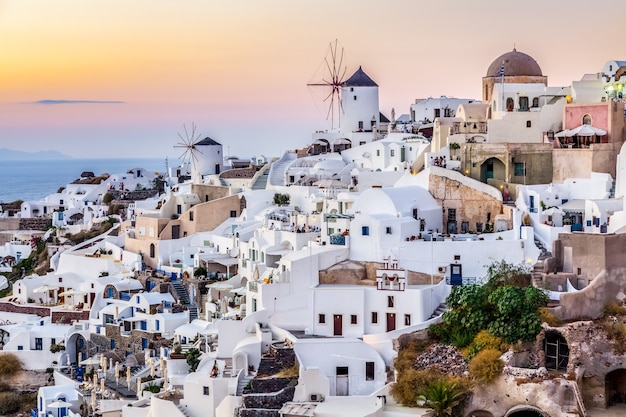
{"x": 33, "y": 180}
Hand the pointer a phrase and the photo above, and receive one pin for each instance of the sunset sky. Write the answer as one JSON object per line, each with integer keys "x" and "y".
{"x": 140, "y": 69}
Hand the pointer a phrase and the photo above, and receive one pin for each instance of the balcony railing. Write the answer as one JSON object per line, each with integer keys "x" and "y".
{"x": 464, "y": 281}
{"x": 337, "y": 240}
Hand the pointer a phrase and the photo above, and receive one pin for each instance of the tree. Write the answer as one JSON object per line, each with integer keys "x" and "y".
{"x": 107, "y": 198}
{"x": 10, "y": 365}
{"x": 193, "y": 359}
{"x": 281, "y": 199}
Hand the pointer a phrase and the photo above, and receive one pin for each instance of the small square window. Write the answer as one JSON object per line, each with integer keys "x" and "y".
{"x": 390, "y": 301}
{"x": 205, "y": 390}
{"x": 321, "y": 318}
{"x": 407, "y": 319}
{"x": 353, "y": 319}
{"x": 374, "y": 317}
{"x": 392, "y": 152}
{"x": 233, "y": 213}
{"x": 388, "y": 230}
{"x": 191, "y": 216}
{"x": 365, "y": 230}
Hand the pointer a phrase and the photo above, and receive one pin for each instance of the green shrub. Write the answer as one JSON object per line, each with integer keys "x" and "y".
{"x": 193, "y": 359}
{"x": 614, "y": 309}
{"x": 107, "y": 198}
{"x": 444, "y": 396}
{"x": 486, "y": 365}
{"x": 292, "y": 371}
{"x": 10, "y": 365}
{"x": 460, "y": 339}
{"x": 548, "y": 317}
{"x": 409, "y": 350}
{"x": 153, "y": 388}
{"x": 10, "y": 402}
{"x": 616, "y": 332}
{"x": 409, "y": 383}
{"x": 484, "y": 340}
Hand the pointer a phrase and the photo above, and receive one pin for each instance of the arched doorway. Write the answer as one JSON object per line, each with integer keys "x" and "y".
{"x": 615, "y": 387}
{"x": 525, "y": 411}
{"x": 76, "y": 348}
{"x": 557, "y": 351}
{"x": 492, "y": 168}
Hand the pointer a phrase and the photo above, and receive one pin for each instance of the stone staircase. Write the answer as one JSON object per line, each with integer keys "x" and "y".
{"x": 537, "y": 274}
{"x": 244, "y": 381}
{"x": 264, "y": 393}
{"x": 277, "y": 170}
{"x": 183, "y": 298}
{"x": 545, "y": 253}
{"x": 261, "y": 181}
{"x": 441, "y": 308}
{"x": 193, "y": 312}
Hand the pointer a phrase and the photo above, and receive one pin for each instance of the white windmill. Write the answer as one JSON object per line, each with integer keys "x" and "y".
{"x": 190, "y": 154}
{"x": 334, "y": 72}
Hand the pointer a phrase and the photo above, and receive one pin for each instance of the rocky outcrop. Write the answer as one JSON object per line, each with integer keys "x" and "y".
{"x": 443, "y": 358}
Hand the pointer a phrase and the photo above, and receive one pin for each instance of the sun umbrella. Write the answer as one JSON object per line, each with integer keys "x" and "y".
{"x": 128, "y": 375}
{"x": 139, "y": 386}
{"x": 152, "y": 369}
{"x": 71, "y": 293}
{"x": 102, "y": 385}
{"x": 93, "y": 399}
{"x": 587, "y": 130}
{"x": 60, "y": 404}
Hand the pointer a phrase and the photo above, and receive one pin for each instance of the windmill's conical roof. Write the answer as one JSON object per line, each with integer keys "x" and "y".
{"x": 207, "y": 142}
{"x": 360, "y": 79}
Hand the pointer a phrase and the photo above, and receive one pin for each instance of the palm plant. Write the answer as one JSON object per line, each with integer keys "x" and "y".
{"x": 442, "y": 396}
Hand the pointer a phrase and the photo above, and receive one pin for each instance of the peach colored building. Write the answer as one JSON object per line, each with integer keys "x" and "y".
{"x": 578, "y": 157}
{"x": 202, "y": 217}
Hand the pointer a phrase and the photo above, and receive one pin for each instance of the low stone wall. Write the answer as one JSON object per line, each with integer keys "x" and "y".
{"x": 35, "y": 223}
{"x": 24, "y": 309}
{"x": 272, "y": 400}
{"x": 60, "y": 316}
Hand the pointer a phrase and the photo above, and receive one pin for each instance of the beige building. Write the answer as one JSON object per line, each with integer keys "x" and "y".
{"x": 468, "y": 205}
{"x": 200, "y": 217}
{"x": 586, "y": 255}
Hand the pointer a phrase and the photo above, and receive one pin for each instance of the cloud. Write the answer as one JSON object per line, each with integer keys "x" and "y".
{"x": 79, "y": 102}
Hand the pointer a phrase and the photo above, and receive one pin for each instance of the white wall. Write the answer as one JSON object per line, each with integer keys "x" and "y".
{"x": 328, "y": 354}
